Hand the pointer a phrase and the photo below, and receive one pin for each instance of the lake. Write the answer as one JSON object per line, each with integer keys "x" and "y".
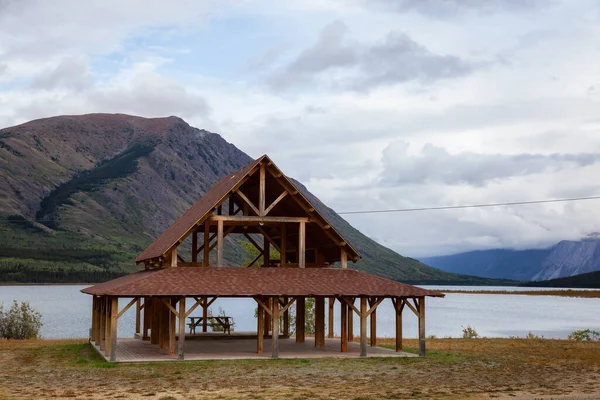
{"x": 66, "y": 313}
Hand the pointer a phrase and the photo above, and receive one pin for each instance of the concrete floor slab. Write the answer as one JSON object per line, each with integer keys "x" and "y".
{"x": 136, "y": 350}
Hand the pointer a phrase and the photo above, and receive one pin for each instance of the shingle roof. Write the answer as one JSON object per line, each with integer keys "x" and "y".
{"x": 204, "y": 207}
{"x": 245, "y": 282}
{"x": 196, "y": 212}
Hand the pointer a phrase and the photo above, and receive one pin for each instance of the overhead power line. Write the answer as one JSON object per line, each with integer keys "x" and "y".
{"x": 514, "y": 203}
{"x": 393, "y": 210}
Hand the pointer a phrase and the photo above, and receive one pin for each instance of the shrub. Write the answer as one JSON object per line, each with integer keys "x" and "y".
{"x": 586, "y": 335}
{"x": 469, "y": 332}
{"x": 21, "y": 321}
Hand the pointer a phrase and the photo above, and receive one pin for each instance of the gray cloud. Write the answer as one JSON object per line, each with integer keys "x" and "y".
{"x": 72, "y": 73}
{"x": 396, "y": 59}
{"x": 435, "y": 165}
{"x": 446, "y": 8}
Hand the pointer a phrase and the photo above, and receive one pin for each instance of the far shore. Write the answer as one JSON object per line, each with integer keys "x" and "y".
{"x": 593, "y": 293}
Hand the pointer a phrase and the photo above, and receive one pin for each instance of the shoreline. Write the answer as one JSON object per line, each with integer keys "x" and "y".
{"x": 591, "y": 294}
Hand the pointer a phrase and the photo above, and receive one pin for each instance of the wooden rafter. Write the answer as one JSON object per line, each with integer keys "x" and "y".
{"x": 269, "y": 238}
{"x": 247, "y": 201}
{"x": 351, "y": 305}
{"x": 274, "y": 203}
{"x": 127, "y": 307}
{"x": 253, "y": 242}
{"x": 263, "y": 305}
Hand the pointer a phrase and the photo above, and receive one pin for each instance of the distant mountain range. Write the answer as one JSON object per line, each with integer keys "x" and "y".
{"x": 82, "y": 195}
{"x": 587, "y": 280}
{"x": 566, "y": 258}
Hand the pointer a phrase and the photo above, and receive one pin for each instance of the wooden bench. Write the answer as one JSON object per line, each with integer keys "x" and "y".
{"x": 220, "y": 322}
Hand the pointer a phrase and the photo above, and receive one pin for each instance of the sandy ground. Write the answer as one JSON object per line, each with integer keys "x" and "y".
{"x": 453, "y": 369}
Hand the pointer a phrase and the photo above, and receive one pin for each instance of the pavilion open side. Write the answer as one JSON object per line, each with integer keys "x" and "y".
{"x": 302, "y": 254}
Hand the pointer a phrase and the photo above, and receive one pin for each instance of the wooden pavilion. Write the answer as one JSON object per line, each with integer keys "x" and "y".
{"x": 257, "y": 201}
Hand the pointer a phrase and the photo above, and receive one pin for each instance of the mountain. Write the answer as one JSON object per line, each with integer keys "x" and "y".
{"x": 565, "y": 258}
{"x": 84, "y": 194}
{"x": 588, "y": 280}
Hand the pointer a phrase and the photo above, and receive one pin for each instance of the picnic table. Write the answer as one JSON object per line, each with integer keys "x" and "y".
{"x": 221, "y": 321}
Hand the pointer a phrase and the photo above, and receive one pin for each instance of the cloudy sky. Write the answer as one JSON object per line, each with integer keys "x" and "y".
{"x": 372, "y": 104}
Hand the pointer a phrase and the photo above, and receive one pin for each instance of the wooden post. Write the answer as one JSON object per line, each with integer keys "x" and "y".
{"x": 102, "y": 322}
{"x": 302, "y": 245}
{"x": 161, "y": 322}
{"x": 172, "y": 326}
{"x": 331, "y": 303}
{"x": 286, "y": 319}
{"x": 283, "y": 247}
{"x": 267, "y": 320}
{"x": 398, "y": 305}
{"x": 107, "y": 318}
{"x": 147, "y": 317}
{"x": 344, "y": 325}
{"x": 195, "y": 246}
{"x": 114, "y": 311}
{"x": 363, "y": 326}
{"x": 351, "y": 322}
{"x": 422, "y": 326}
{"x": 219, "y": 243}
{"x": 93, "y": 330}
{"x": 261, "y": 192}
{"x": 174, "y": 257}
{"x": 266, "y": 252}
{"x": 260, "y": 330}
{"x": 138, "y": 316}
{"x": 275, "y": 329}
{"x": 155, "y": 320}
{"x": 319, "y": 322}
{"x": 204, "y": 314}
{"x": 373, "y": 320}
{"x": 206, "y": 257}
{"x": 181, "y": 338}
{"x": 344, "y": 258}
{"x": 300, "y": 319}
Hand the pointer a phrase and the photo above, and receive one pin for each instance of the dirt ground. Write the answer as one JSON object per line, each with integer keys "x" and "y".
{"x": 453, "y": 369}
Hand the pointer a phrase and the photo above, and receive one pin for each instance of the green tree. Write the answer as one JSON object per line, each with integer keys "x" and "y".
{"x": 21, "y": 321}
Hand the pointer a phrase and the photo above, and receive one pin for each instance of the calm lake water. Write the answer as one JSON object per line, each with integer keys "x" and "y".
{"x": 66, "y": 313}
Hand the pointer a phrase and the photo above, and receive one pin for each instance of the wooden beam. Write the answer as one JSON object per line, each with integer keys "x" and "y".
{"x": 256, "y": 220}
{"x": 286, "y": 304}
{"x": 172, "y": 326}
{"x": 274, "y": 203}
{"x": 413, "y": 309}
{"x": 266, "y": 252}
{"x": 138, "y": 311}
{"x": 255, "y": 260}
{"x": 225, "y": 233}
{"x": 319, "y": 322}
{"x": 195, "y": 246}
{"x": 261, "y": 192}
{"x": 263, "y": 305}
{"x": 286, "y": 315}
{"x": 344, "y": 326}
{"x": 283, "y": 249}
{"x": 398, "y": 306}
{"x": 373, "y": 303}
{"x": 248, "y": 202}
{"x": 300, "y": 319}
{"x": 253, "y": 242}
{"x": 373, "y": 321}
{"x": 260, "y": 329}
{"x": 196, "y": 304}
{"x": 167, "y": 303}
{"x": 127, "y": 307}
{"x": 113, "y": 327}
{"x": 220, "y": 243}
{"x": 350, "y": 303}
{"x": 268, "y": 237}
{"x": 275, "y": 329}
{"x": 206, "y": 258}
{"x": 344, "y": 258}
{"x": 363, "y": 326}
{"x": 422, "y": 327}
{"x": 181, "y": 337}
{"x": 331, "y": 303}
{"x": 302, "y": 245}
{"x": 351, "y": 310}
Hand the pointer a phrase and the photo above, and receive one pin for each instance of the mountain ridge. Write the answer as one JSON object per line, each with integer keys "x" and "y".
{"x": 565, "y": 258}
{"x": 105, "y": 185}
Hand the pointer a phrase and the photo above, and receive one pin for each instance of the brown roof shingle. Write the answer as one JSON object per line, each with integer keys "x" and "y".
{"x": 245, "y": 282}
